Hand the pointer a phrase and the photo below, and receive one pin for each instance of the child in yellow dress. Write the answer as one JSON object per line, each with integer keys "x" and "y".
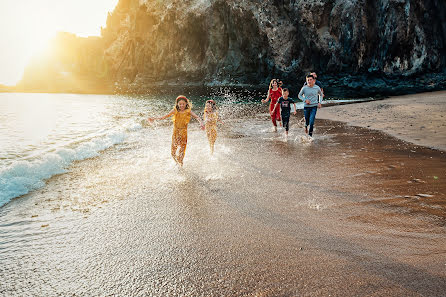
{"x": 210, "y": 117}
{"x": 181, "y": 116}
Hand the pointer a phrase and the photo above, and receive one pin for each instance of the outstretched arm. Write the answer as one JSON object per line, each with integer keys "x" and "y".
{"x": 321, "y": 97}
{"x": 275, "y": 107}
{"x": 267, "y": 98}
{"x": 295, "y": 109}
{"x": 197, "y": 118}
{"x": 219, "y": 120}
{"x": 163, "y": 117}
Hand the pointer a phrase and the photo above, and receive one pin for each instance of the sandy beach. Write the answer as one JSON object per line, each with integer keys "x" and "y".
{"x": 96, "y": 200}
{"x": 356, "y": 212}
{"x": 418, "y": 118}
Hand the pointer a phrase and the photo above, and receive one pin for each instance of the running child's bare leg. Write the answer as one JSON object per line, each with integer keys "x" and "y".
{"x": 181, "y": 154}
{"x": 174, "y": 149}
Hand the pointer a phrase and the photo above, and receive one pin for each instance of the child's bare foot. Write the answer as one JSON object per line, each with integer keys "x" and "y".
{"x": 178, "y": 162}
{"x": 306, "y": 130}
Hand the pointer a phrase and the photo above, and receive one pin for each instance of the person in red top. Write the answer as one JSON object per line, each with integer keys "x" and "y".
{"x": 274, "y": 93}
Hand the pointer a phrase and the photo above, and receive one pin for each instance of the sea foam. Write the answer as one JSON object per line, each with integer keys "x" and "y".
{"x": 24, "y": 176}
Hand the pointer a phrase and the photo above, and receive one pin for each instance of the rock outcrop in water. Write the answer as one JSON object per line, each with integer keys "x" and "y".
{"x": 358, "y": 47}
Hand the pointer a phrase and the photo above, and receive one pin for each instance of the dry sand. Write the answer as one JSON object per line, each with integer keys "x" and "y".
{"x": 419, "y": 118}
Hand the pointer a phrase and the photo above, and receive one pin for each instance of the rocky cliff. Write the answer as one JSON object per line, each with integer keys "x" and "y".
{"x": 69, "y": 64}
{"x": 358, "y": 47}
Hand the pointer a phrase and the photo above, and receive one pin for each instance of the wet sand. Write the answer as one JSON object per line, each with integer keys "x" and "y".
{"x": 418, "y": 118}
{"x": 354, "y": 213}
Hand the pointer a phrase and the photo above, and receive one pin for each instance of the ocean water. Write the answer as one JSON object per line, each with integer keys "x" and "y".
{"x": 41, "y": 135}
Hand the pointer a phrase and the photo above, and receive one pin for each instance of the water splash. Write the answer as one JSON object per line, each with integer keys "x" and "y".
{"x": 24, "y": 176}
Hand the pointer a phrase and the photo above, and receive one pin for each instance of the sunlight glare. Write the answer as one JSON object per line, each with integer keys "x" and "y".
{"x": 26, "y": 26}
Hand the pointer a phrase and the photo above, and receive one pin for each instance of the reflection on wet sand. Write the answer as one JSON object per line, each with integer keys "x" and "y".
{"x": 354, "y": 213}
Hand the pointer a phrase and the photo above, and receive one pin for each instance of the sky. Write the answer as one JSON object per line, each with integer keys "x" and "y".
{"x": 27, "y": 25}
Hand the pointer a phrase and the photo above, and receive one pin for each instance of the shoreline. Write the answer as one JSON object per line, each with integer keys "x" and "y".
{"x": 163, "y": 89}
{"x": 210, "y": 90}
{"x": 417, "y": 118}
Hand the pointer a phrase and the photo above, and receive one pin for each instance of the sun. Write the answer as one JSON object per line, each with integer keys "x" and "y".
{"x": 35, "y": 34}
{"x": 26, "y": 28}
{"x": 28, "y": 31}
